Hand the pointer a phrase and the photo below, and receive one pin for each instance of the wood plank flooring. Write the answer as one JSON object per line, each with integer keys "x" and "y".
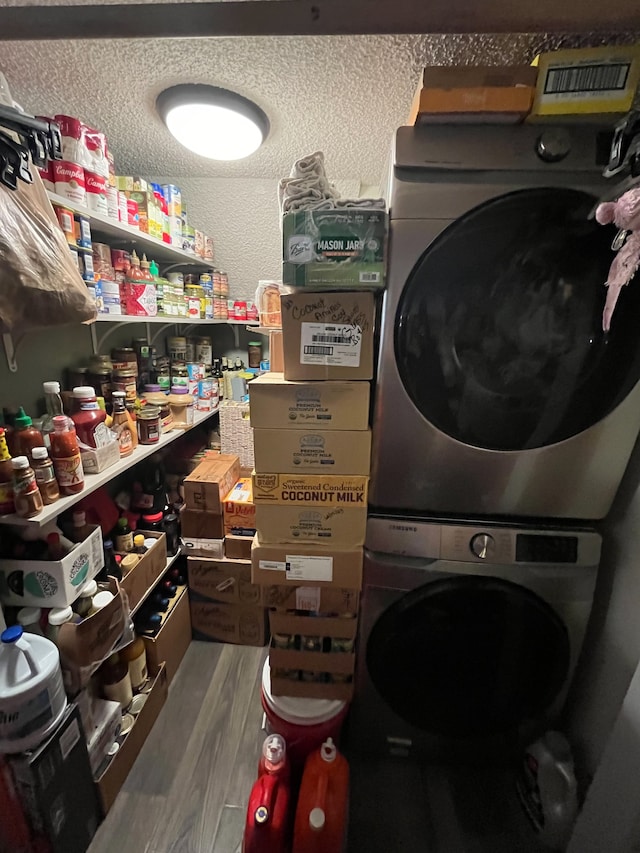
{"x": 188, "y": 790}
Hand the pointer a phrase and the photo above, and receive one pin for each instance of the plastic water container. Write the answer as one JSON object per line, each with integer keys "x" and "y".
{"x": 321, "y": 816}
{"x": 32, "y": 697}
{"x": 269, "y": 818}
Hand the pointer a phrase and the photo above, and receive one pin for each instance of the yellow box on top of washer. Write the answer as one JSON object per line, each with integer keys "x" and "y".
{"x": 310, "y": 490}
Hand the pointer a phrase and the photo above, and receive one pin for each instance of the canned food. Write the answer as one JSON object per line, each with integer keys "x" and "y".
{"x": 203, "y": 350}
{"x": 67, "y": 223}
{"x": 192, "y": 387}
{"x": 206, "y": 281}
{"x": 195, "y": 371}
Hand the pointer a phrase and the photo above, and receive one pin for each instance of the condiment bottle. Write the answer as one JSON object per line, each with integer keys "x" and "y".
{"x": 53, "y": 402}
{"x": 26, "y": 494}
{"x": 138, "y": 544}
{"x": 6, "y": 476}
{"x": 55, "y": 547}
{"x": 45, "y": 476}
{"x": 26, "y": 436}
{"x": 29, "y": 618}
{"x": 89, "y": 418}
{"x": 116, "y": 683}
{"x": 145, "y": 269}
{"x": 65, "y": 454}
{"x": 111, "y": 564}
{"x": 80, "y": 530}
{"x": 124, "y": 536}
{"x": 135, "y": 656}
{"x": 8, "y": 417}
{"x": 57, "y": 617}
{"x": 123, "y": 425}
{"x": 84, "y": 602}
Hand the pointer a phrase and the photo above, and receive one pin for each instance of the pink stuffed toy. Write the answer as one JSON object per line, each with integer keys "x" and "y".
{"x": 625, "y": 213}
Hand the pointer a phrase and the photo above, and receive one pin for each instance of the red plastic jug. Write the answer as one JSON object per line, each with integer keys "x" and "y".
{"x": 268, "y": 824}
{"x": 321, "y": 816}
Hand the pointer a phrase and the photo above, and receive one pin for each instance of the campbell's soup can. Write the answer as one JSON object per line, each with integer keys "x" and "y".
{"x": 96, "y": 193}
{"x": 70, "y": 181}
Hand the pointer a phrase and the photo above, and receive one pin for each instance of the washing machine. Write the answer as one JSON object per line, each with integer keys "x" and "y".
{"x": 469, "y": 635}
{"x": 495, "y": 376}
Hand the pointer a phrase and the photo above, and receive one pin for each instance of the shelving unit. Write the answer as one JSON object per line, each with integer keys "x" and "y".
{"x": 163, "y": 323}
{"x": 94, "y": 481}
{"x": 170, "y": 562}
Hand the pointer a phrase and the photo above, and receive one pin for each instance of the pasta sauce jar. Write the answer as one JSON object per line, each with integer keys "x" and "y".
{"x": 148, "y": 425}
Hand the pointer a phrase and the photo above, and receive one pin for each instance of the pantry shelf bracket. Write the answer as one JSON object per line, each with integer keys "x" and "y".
{"x": 236, "y": 336}
{"x": 98, "y": 341}
{"x": 11, "y": 350}
{"x": 152, "y": 337}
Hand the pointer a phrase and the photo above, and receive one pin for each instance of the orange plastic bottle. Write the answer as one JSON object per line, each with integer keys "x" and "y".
{"x": 321, "y": 816}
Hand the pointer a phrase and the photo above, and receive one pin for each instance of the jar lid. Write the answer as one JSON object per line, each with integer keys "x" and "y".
{"x": 51, "y": 387}
{"x": 152, "y": 388}
{"x": 179, "y": 389}
{"x": 60, "y": 615}
{"x": 20, "y": 462}
{"x": 148, "y": 413}
{"x": 90, "y": 588}
{"x": 152, "y": 517}
{"x": 84, "y": 391}
{"x": 128, "y": 562}
{"x": 39, "y": 452}
{"x": 118, "y": 394}
{"x": 138, "y": 540}
{"x": 255, "y": 343}
{"x": 125, "y": 372}
{"x": 126, "y": 350}
{"x": 28, "y": 615}
{"x": 102, "y": 599}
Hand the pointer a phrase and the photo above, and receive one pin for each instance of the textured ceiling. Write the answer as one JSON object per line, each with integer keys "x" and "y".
{"x": 344, "y": 95}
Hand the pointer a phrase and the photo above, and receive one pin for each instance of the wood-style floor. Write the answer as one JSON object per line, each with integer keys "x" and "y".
{"x": 188, "y": 790}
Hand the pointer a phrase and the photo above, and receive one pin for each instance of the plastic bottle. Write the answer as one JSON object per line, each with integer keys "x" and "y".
{"x": 548, "y": 790}
{"x": 123, "y": 536}
{"x": 135, "y": 656}
{"x": 111, "y": 565}
{"x": 57, "y": 617}
{"x": 321, "y": 816}
{"x": 53, "y": 402}
{"x": 89, "y": 418}
{"x": 26, "y": 494}
{"x": 273, "y": 758}
{"x": 116, "y": 683}
{"x": 138, "y": 544}
{"x": 123, "y": 425}
{"x": 80, "y": 530}
{"x": 268, "y": 821}
{"x": 65, "y": 454}
{"x": 29, "y": 618}
{"x": 84, "y": 602}
{"x": 6, "y": 476}
{"x": 55, "y": 547}
{"x": 45, "y": 476}
{"x": 26, "y": 436}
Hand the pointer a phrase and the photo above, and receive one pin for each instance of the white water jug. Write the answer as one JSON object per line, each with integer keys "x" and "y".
{"x": 32, "y": 697}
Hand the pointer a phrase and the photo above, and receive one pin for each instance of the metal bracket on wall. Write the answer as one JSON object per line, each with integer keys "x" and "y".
{"x": 11, "y": 350}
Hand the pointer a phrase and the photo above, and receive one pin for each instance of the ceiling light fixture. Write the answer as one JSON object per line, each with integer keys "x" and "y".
{"x": 213, "y": 122}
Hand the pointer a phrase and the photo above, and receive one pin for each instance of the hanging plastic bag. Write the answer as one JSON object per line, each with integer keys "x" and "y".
{"x": 40, "y": 284}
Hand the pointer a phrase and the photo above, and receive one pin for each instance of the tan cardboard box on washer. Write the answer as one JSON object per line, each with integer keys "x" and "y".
{"x": 322, "y": 451}
{"x": 332, "y": 527}
{"x": 308, "y": 565}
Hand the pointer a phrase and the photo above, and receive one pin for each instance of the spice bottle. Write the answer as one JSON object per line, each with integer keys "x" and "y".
{"x": 6, "y": 476}
{"x": 45, "y": 476}
{"x": 53, "y": 402}
{"x": 116, "y": 684}
{"x": 124, "y": 536}
{"x": 138, "y": 544}
{"x": 123, "y": 425}
{"x": 89, "y": 418}
{"x": 135, "y": 656}
{"x": 26, "y": 436}
{"x": 26, "y": 494}
{"x": 65, "y": 454}
{"x": 80, "y": 530}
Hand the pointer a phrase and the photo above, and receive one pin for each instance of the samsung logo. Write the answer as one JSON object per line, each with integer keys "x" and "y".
{"x": 404, "y": 528}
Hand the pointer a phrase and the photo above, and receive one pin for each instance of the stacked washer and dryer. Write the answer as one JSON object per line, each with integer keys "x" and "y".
{"x": 504, "y": 419}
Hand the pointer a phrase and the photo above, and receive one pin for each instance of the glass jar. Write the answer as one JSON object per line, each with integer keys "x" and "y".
{"x": 124, "y": 379}
{"x": 255, "y": 353}
{"x": 193, "y": 293}
{"x": 124, "y": 358}
{"x": 166, "y": 418}
{"x": 148, "y": 424}
{"x": 153, "y": 521}
{"x": 179, "y": 374}
{"x": 177, "y": 348}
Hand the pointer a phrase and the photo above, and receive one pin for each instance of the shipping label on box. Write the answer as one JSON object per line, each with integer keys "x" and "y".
{"x": 335, "y": 451}
{"x": 328, "y": 335}
{"x": 305, "y": 564}
{"x": 225, "y": 580}
{"x": 334, "y": 248}
{"x": 239, "y": 509}
{"x": 310, "y": 490}
{"x": 334, "y": 527}
{"x": 206, "y": 486}
{"x": 327, "y": 600}
{"x": 229, "y": 623}
{"x": 276, "y": 403}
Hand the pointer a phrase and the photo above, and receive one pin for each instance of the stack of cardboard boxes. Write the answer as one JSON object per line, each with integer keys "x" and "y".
{"x": 312, "y": 448}
{"x": 218, "y": 525}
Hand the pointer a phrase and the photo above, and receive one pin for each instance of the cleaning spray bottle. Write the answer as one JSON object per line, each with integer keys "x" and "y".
{"x": 268, "y": 822}
{"x": 321, "y": 816}
{"x": 548, "y": 790}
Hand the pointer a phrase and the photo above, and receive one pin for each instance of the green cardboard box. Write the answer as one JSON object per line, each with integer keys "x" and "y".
{"x": 334, "y": 248}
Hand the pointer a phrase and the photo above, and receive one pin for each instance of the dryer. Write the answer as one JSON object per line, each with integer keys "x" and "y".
{"x": 469, "y": 634}
{"x": 495, "y": 377}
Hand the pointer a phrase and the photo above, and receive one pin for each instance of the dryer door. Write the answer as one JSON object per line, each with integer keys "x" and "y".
{"x": 499, "y": 339}
{"x": 468, "y": 656}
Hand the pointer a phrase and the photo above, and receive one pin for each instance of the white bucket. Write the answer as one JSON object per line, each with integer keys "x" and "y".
{"x": 32, "y": 697}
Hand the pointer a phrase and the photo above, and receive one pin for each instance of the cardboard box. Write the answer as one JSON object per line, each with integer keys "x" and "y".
{"x": 239, "y": 509}
{"x": 228, "y": 623}
{"x": 108, "y": 722}
{"x": 276, "y": 353}
{"x": 197, "y": 524}
{"x": 145, "y": 574}
{"x": 592, "y": 82}
{"x": 51, "y": 583}
{"x": 342, "y": 691}
{"x": 113, "y": 778}
{"x": 310, "y": 490}
{"x": 343, "y": 248}
{"x": 56, "y": 787}
{"x": 307, "y": 451}
{"x": 342, "y": 663}
{"x": 278, "y": 404}
{"x": 97, "y": 459}
{"x": 84, "y": 646}
{"x": 486, "y": 94}
{"x": 325, "y": 600}
{"x": 332, "y": 527}
{"x": 304, "y": 564}
{"x": 212, "y": 548}
{"x": 328, "y": 335}
{"x": 237, "y": 547}
{"x": 171, "y": 642}
{"x": 225, "y": 580}
{"x": 206, "y": 487}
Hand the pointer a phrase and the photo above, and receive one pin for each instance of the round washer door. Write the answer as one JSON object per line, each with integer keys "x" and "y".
{"x": 498, "y": 333}
{"x": 468, "y": 656}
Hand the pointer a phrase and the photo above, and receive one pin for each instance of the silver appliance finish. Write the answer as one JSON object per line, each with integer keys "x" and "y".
{"x": 439, "y": 174}
{"x": 405, "y": 554}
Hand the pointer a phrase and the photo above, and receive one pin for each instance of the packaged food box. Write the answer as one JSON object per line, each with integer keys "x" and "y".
{"x": 591, "y": 81}
{"x": 237, "y": 547}
{"x": 245, "y": 625}
{"x": 224, "y": 580}
{"x": 320, "y": 600}
{"x": 276, "y": 403}
{"x": 314, "y": 490}
{"x": 239, "y": 509}
{"x": 306, "y": 564}
{"x": 51, "y": 583}
{"x": 485, "y": 94}
{"x": 206, "y": 486}
{"x": 308, "y": 451}
{"x": 334, "y": 248}
{"x": 331, "y": 526}
{"x": 199, "y": 524}
{"x": 328, "y": 335}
